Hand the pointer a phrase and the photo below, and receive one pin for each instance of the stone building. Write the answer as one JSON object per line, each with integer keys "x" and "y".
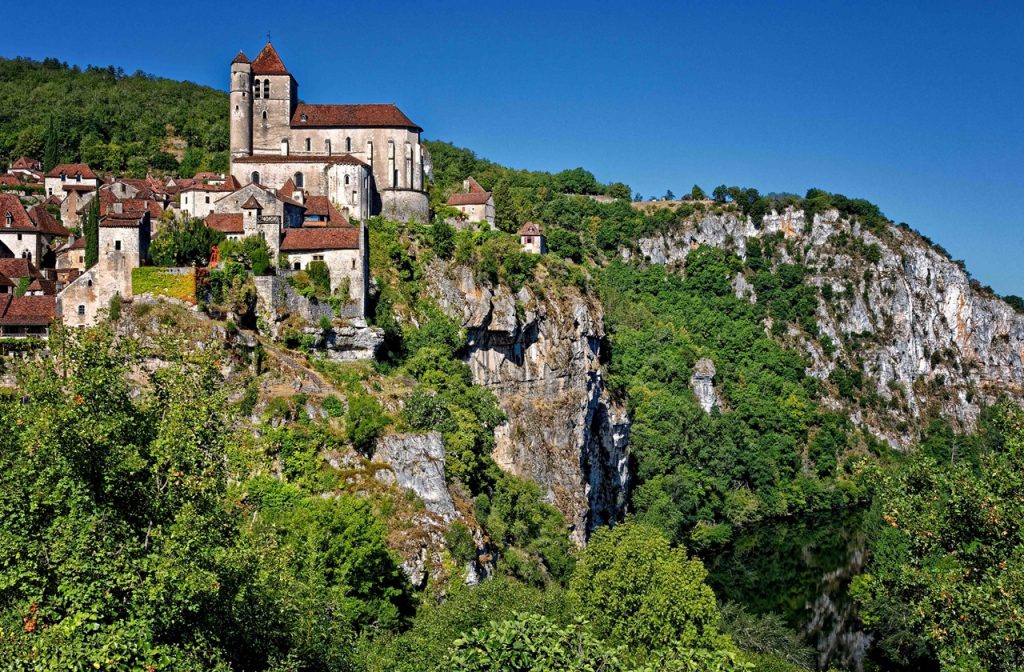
{"x": 367, "y": 159}
{"x": 123, "y": 246}
{"x": 26, "y": 316}
{"x": 474, "y": 202}
{"x": 200, "y": 198}
{"x": 340, "y": 248}
{"x": 28, "y": 234}
{"x": 531, "y": 237}
{"x": 69, "y": 174}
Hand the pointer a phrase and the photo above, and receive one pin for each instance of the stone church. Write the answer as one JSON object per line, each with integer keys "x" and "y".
{"x": 366, "y": 159}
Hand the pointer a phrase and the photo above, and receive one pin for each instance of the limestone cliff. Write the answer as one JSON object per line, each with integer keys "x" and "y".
{"x": 922, "y": 332}
{"x": 540, "y": 354}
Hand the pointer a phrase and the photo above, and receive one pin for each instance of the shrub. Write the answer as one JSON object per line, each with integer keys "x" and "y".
{"x": 365, "y": 421}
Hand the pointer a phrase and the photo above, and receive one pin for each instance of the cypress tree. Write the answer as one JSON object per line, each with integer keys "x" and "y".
{"x": 50, "y": 146}
{"x": 92, "y": 232}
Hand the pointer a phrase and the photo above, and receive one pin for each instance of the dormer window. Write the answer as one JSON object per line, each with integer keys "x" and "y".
{"x": 78, "y": 177}
{"x": 8, "y": 220}
{"x": 303, "y": 118}
{"x": 63, "y": 177}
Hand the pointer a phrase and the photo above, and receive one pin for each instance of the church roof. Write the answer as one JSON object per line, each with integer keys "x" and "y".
{"x": 241, "y": 58}
{"x": 356, "y": 116}
{"x": 268, "y": 62}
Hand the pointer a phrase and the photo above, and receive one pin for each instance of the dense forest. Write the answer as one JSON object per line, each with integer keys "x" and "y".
{"x": 169, "y": 501}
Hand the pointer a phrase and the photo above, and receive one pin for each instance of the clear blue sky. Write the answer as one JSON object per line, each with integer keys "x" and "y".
{"x": 918, "y": 107}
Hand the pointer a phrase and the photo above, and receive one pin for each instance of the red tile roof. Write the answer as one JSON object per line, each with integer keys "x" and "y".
{"x": 122, "y": 220}
{"x": 251, "y": 204}
{"x": 20, "y": 221}
{"x": 10, "y": 180}
{"x": 26, "y": 163}
{"x": 300, "y": 158}
{"x": 18, "y": 268}
{"x": 268, "y": 62}
{"x": 322, "y": 206}
{"x": 241, "y": 58}
{"x": 47, "y": 287}
{"x": 287, "y": 189}
{"x": 46, "y": 223}
{"x": 472, "y": 198}
{"x": 531, "y": 229}
{"x": 71, "y": 169}
{"x": 356, "y": 116}
{"x": 27, "y": 311}
{"x": 5, "y": 281}
{"x": 225, "y": 223}
{"x": 312, "y": 239}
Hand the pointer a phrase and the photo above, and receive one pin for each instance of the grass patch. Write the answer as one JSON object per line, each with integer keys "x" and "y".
{"x": 160, "y": 282}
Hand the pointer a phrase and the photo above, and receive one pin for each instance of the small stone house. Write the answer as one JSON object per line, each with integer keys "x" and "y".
{"x": 72, "y": 255}
{"x": 28, "y": 234}
{"x": 68, "y": 175}
{"x": 341, "y": 248}
{"x": 26, "y": 316}
{"x": 230, "y": 224}
{"x": 531, "y": 237}
{"x": 474, "y": 202}
{"x": 123, "y": 246}
{"x": 200, "y": 199}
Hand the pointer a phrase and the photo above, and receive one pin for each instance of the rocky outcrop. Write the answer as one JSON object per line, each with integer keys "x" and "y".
{"x": 540, "y": 355}
{"x": 911, "y": 319}
{"x": 416, "y": 462}
{"x": 702, "y": 382}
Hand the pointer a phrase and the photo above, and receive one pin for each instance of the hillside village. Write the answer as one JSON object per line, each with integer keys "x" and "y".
{"x": 303, "y": 181}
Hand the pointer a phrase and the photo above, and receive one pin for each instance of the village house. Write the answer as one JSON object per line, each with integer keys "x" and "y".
{"x": 70, "y": 177}
{"x": 200, "y": 198}
{"x": 475, "y": 203}
{"x": 365, "y": 158}
{"x": 340, "y": 248}
{"x": 71, "y": 256}
{"x": 531, "y": 237}
{"x": 123, "y": 247}
{"x": 26, "y": 316}
{"x": 28, "y": 234}
{"x": 27, "y": 169}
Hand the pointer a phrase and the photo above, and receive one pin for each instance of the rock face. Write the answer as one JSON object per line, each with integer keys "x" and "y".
{"x": 923, "y": 334}
{"x": 540, "y": 355}
{"x": 416, "y": 463}
{"x": 703, "y": 384}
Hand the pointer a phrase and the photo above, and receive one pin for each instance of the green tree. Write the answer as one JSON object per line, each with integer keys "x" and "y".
{"x": 637, "y": 590}
{"x": 365, "y": 421}
{"x": 697, "y": 194}
{"x": 184, "y": 241}
{"x": 442, "y": 238}
{"x": 619, "y": 190}
{"x": 50, "y": 149}
{"x": 946, "y": 578}
{"x": 565, "y": 244}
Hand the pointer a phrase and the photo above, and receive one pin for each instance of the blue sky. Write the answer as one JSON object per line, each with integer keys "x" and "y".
{"x": 917, "y": 106}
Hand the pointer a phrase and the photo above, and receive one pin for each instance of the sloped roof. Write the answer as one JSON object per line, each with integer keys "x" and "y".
{"x": 18, "y": 268}
{"x": 531, "y": 229}
{"x": 72, "y": 169}
{"x": 287, "y": 189}
{"x": 20, "y": 221}
{"x": 472, "y": 198}
{"x": 326, "y": 238}
{"x": 240, "y": 58}
{"x": 27, "y": 311}
{"x": 47, "y": 287}
{"x": 268, "y": 62}
{"x": 46, "y": 223}
{"x": 252, "y": 204}
{"x": 122, "y": 220}
{"x": 225, "y": 222}
{"x": 26, "y": 163}
{"x": 321, "y": 206}
{"x": 5, "y": 281}
{"x": 356, "y": 116}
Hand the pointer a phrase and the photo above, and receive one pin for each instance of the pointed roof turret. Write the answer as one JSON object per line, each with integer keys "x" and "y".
{"x": 268, "y": 62}
{"x": 252, "y": 204}
{"x": 241, "y": 58}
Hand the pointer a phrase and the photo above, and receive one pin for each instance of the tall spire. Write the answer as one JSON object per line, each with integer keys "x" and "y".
{"x": 268, "y": 62}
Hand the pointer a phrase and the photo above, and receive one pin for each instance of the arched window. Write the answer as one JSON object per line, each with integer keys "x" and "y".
{"x": 255, "y": 177}
{"x": 266, "y": 88}
{"x": 346, "y": 179}
{"x": 264, "y": 115}
{"x": 327, "y": 146}
{"x": 297, "y": 179}
{"x": 309, "y": 145}
{"x": 256, "y": 89}
{"x": 348, "y": 144}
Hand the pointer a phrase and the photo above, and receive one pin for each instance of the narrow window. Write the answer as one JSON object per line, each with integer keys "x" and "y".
{"x": 78, "y": 177}
{"x": 236, "y": 108}
{"x": 298, "y": 180}
{"x": 346, "y": 179}
{"x": 353, "y": 264}
{"x": 81, "y": 310}
{"x": 9, "y": 220}
{"x": 19, "y": 236}
{"x": 207, "y": 199}
{"x": 264, "y": 115}
{"x": 348, "y": 144}
{"x": 266, "y": 88}
{"x": 256, "y": 90}
{"x": 309, "y": 145}
{"x": 82, "y": 258}
{"x": 255, "y": 177}
{"x": 117, "y": 244}
{"x": 63, "y": 177}
{"x": 327, "y": 146}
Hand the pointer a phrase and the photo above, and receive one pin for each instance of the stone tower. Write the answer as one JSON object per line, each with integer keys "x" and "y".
{"x": 241, "y": 106}
{"x": 275, "y": 94}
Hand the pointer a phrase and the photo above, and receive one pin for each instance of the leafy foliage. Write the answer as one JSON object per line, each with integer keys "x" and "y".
{"x": 184, "y": 241}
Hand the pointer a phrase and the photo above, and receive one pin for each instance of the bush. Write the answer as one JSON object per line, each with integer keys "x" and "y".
{"x": 183, "y": 242}
{"x": 365, "y": 421}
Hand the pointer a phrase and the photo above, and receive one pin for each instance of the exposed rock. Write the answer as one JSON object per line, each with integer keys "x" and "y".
{"x": 912, "y": 321}
{"x": 703, "y": 383}
{"x": 540, "y": 356}
{"x": 416, "y": 462}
